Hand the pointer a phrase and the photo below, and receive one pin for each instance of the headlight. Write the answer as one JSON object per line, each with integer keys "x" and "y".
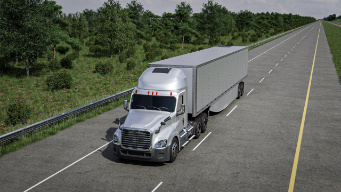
{"x": 116, "y": 138}
{"x": 161, "y": 144}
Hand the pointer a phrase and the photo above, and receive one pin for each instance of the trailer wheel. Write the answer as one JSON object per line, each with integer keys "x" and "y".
{"x": 198, "y": 127}
{"x": 242, "y": 86}
{"x": 204, "y": 120}
{"x": 239, "y": 91}
{"x": 174, "y": 150}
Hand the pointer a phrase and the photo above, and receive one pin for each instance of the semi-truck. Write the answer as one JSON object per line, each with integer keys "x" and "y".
{"x": 171, "y": 103}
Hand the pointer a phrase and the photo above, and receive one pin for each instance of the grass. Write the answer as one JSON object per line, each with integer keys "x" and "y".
{"x": 333, "y": 34}
{"x": 88, "y": 87}
{"x": 38, "y": 135}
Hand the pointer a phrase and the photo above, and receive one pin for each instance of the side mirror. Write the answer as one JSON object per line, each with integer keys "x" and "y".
{"x": 158, "y": 131}
{"x": 182, "y": 110}
{"x": 125, "y": 105}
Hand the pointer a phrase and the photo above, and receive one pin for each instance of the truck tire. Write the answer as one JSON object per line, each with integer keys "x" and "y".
{"x": 204, "y": 120}
{"x": 174, "y": 149}
{"x": 198, "y": 127}
{"x": 239, "y": 91}
{"x": 242, "y": 85}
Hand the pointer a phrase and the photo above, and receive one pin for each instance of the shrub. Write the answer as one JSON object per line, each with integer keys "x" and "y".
{"x": 157, "y": 52}
{"x": 149, "y": 56}
{"x": 130, "y": 52}
{"x": 244, "y": 38}
{"x": 165, "y": 56}
{"x": 147, "y": 47}
{"x": 54, "y": 65}
{"x": 59, "y": 80}
{"x": 201, "y": 48}
{"x": 104, "y": 68}
{"x": 131, "y": 65}
{"x": 254, "y": 38}
{"x": 66, "y": 63}
{"x": 229, "y": 43}
{"x": 122, "y": 58}
{"x": 172, "y": 47}
{"x": 194, "y": 49}
{"x": 62, "y": 49}
{"x": 74, "y": 55}
{"x": 17, "y": 111}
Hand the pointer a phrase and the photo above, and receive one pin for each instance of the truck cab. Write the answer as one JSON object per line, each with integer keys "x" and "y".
{"x": 155, "y": 127}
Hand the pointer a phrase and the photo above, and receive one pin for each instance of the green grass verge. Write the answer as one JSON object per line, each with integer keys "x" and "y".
{"x": 42, "y": 133}
{"x": 333, "y": 34}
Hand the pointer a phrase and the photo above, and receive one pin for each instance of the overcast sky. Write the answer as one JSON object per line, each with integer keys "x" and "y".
{"x": 314, "y": 8}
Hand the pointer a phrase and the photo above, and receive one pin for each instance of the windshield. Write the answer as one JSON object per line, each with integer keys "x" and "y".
{"x": 150, "y": 102}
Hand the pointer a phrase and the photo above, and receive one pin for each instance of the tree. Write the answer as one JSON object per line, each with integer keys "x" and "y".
{"x": 168, "y": 22}
{"x": 151, "y": 20}
{"x": 78, "y": 26}
{"x": 211, "y": 20}
{"x": 135, "y": 11}
{"x": 25, "y": 28}
{"x": 115, "y": 26}
{"x": 183, "y": 17}
{"x": 92, "y": 18}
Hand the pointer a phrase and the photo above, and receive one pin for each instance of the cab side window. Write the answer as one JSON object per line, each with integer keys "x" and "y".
{"x": 180, "y": 101}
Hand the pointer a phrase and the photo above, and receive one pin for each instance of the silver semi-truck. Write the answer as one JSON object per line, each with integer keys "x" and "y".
{"x": 171, "y": 103}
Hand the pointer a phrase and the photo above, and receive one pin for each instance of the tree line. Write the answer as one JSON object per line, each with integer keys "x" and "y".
{"x": 29, "y": 28}
{"x": 332, "y": 17}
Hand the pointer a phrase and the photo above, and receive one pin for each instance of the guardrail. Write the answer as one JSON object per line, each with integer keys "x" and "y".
{"x": 62, "y": 116}
{"x": 76, "y": 111}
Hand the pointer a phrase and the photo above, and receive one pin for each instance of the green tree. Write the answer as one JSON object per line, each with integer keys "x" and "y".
{"x": 115, "y": 26}
{"x": 211, "y": 20}
{"x": 25, "y": 28}
{"x": 78, "y": 26}
{"x": 152, "y": 21}
{"x": 183, "y": 17}
{"x": 92, "y": 18}
{"x": 136, "y": 11}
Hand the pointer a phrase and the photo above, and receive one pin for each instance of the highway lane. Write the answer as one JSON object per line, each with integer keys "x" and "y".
{"x": 251, "y": 149}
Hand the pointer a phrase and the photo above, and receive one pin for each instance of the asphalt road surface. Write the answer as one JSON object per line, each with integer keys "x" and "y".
{"x": 250, "y": 146}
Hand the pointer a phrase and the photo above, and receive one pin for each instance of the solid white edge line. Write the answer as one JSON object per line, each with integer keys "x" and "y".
{"x": 261, "y": 80}
{"x": 66, "y": 167}
{"x": 231, "y": 110}
{"x": 249, "y": 92}
{"x": 202, "y": 140}
{"x": 281, "y": 43}
{"x": 157, "y": 186}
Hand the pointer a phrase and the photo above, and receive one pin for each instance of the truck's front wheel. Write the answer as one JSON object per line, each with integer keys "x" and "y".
{"x": 204, "y": 120}
{"x": 198, "y": 127}
{"x": 174, "y": 150}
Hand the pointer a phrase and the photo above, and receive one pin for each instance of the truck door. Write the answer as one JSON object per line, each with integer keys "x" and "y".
{"x": 180, "y": 118}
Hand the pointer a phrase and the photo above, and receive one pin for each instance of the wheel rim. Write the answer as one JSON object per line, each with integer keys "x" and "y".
{"x": 174, "y": 149}
{"x": 199, "y": 128}
{"x": 205, "y": 122}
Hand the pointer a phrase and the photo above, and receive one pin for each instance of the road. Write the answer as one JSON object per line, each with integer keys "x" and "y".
{"x": 250, "y": 146}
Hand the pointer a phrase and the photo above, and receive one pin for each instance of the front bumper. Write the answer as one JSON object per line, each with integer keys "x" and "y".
{"x": 154, "y": 155}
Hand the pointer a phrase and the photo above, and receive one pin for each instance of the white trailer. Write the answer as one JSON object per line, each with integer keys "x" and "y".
{"x": 171, "y": 103}
{"x": 213, "y": 76}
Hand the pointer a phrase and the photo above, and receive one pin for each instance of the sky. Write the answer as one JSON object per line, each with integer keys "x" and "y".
{"x": 314, "y": 8}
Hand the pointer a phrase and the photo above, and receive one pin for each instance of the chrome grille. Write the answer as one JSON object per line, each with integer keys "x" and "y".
{"x": 138, "y": 140}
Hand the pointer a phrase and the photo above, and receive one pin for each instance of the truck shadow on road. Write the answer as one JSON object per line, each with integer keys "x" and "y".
{"x": 108, "y": 153}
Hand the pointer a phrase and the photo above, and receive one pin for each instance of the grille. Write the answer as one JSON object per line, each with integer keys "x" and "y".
{"x": 139, "y": 140}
